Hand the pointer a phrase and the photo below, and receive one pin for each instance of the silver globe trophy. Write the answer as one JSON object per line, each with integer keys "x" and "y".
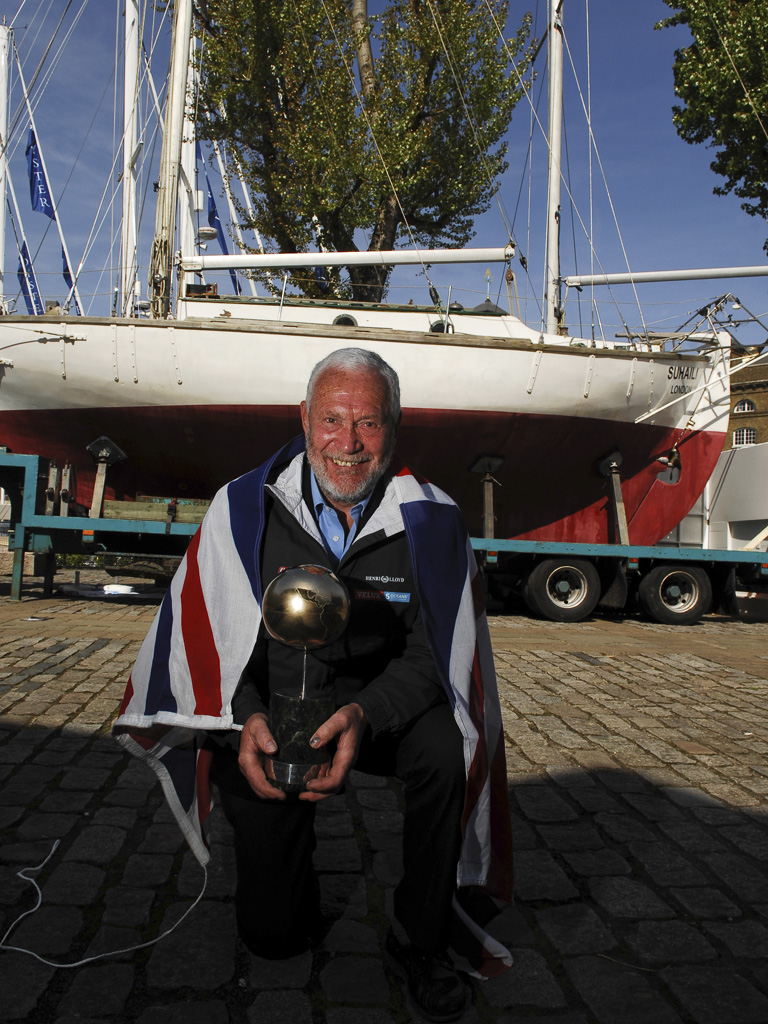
{"x": 306, "y": 607}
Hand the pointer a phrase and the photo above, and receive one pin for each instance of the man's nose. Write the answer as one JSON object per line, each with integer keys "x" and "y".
{"x": 349, "y": 438}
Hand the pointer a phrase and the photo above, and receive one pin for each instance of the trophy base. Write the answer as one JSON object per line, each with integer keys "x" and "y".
{"x": 291, "y": 778}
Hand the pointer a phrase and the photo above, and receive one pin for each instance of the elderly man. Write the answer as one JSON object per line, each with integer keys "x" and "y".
{"x": 413, "y": 687}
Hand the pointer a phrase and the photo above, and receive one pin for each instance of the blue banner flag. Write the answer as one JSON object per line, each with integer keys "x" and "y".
{"x": 28, "y": 282}
{"x": 68, "y": 280}
{"x": 39, "y": 192}
{"x": 214, "y": 221}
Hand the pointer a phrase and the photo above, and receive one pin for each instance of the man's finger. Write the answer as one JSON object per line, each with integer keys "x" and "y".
{"x": 256, "y": 744}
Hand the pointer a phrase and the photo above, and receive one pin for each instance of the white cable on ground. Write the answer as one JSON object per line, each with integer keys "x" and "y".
{"x": 99, "y": 956}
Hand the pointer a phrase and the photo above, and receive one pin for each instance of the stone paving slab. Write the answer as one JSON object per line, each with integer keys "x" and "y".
{"x": 638, "y": 779}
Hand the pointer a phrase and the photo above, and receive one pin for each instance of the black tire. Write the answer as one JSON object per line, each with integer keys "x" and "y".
{"x": 675, "y": 595}
{"x": 562, "y": 590}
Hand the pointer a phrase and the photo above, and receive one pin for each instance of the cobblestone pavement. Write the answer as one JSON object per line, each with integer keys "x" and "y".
{"x": 637, "y": 779}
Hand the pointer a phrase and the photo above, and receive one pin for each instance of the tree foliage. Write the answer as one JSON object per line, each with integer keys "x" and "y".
{"x": 388, "y": 127}
{"x": 722, "y": 77}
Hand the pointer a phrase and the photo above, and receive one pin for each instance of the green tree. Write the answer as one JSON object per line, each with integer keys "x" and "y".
{"x": 722, "y": 77}
{"x": 343, "y": 123}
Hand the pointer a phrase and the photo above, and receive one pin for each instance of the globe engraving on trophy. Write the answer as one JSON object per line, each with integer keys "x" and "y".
{"x": 306, "y": 607}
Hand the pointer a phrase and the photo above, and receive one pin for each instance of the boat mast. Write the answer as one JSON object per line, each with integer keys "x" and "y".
{"x": 552, "y": 295}
{"x": 5, "y": 34}
{"x": 189, "y": 198}
{"x": 131, "y": 48}
{"x": 161, "y": 261}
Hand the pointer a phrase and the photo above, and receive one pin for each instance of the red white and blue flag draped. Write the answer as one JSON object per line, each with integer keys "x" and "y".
{"x": 191, "y": 661}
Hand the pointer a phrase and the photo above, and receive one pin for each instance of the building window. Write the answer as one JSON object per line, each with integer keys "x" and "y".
{"x": 744, "y": 435}
{"x": 745, "y": 405}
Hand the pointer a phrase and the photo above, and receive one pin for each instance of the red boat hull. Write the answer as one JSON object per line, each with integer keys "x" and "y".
{"x": 550, "y": 487}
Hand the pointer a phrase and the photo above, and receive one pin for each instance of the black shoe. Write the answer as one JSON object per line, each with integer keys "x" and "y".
{"x": 435, "y": 987}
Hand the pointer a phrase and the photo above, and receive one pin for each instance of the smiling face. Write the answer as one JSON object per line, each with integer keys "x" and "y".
{"x": 350, "y": 434}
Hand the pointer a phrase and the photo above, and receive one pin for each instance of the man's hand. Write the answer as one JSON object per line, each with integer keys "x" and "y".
{"x": 256, "y": 745}
{"x": 347, "y": 726}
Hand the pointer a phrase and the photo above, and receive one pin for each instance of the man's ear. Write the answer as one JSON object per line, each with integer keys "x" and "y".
{"x": 304, "y": 417}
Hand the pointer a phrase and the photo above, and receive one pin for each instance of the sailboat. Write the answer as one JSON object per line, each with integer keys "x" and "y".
{"x": 204, "y": 388}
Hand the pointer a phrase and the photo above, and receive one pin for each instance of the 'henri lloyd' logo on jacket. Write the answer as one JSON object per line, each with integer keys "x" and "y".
{"x": 387, "y": 595}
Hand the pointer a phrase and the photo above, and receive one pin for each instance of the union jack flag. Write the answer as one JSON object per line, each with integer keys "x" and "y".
{"x": 191, "y": 661}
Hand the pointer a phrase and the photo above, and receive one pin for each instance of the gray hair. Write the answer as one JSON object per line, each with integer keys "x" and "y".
{"x": 359, "y": 359}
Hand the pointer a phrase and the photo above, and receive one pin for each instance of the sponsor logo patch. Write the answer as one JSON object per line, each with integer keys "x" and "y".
{"x": 385, "y": 579}
{"x": 383, "y": 595}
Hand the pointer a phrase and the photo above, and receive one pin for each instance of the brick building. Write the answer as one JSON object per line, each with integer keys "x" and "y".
{"x": 749, "y": 400}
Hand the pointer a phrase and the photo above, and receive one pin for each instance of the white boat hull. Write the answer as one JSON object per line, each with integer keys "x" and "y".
{"x": 196, "y": 402}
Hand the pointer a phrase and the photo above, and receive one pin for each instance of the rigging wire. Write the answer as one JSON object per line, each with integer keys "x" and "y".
{"x": 467, "y": 112}
{"x": 320, "y": 91}
{"x": 735, "y": 69}
{"x": 592, "y": 307}
{"x": 35, "y": 19}
{"x": 115, "y": 106}
{"x": 586, "y": 106}
{"x": 532, "y": 113}
{"x": 573, "y": 222}
{"x": 379, "y": 153}
{"x": 593, "y": 144}
{"x": 29, "y": 103}
{"x": 21, "y": 110}
{"x": 98, "y": 223}
{"x": 525, "y": 89}
{"x": 41, "y": 79}
{"x": 37, "y": 92}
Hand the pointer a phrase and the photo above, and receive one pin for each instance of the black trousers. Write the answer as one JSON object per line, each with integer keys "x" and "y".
{"x": 277, "y": 896}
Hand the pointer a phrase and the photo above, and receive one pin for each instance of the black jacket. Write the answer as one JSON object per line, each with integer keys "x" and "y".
{"x": 382, "y": 661}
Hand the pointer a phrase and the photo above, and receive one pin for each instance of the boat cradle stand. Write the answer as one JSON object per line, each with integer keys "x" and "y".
{"x": 42, "y": 521}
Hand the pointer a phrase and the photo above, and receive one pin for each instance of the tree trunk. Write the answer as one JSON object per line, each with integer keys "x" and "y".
{"x": 369, "y": 283}
{"x": 363, "y": 47}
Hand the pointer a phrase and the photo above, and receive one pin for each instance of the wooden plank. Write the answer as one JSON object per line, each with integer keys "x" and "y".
{"x": 154, "y": 511}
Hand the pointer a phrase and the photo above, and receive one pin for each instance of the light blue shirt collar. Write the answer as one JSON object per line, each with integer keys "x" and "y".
{"x": 331, "y": 530}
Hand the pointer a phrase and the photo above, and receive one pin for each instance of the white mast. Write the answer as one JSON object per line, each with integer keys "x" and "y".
{"x": 189, "y": 203}
{"x": 5, "y": 34}
{"x": 161, "y": 261}
{"x": 127, "y": 270}
{"x": 552, "y": 297}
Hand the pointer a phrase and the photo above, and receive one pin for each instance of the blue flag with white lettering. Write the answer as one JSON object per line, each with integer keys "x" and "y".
{"x": 68, "y": 280}
{"x": 214, "y": 221}
{"x": 28, "y": 282}
{"x": 39, "y": 192}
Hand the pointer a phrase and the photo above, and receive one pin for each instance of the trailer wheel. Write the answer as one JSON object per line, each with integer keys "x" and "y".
{"x": 674, "y": 595}
{"x": 562, "y": 591}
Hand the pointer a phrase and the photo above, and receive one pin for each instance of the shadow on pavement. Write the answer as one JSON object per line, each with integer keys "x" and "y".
{"x": 636, "y": 903}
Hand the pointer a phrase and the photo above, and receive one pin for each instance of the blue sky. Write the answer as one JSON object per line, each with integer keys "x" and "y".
{"x": 660, "y": 186}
